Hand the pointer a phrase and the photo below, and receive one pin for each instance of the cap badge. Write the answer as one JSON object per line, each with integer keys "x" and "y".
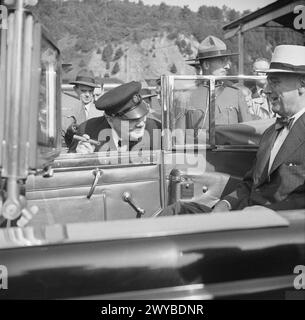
{"x": 136, "y": 99}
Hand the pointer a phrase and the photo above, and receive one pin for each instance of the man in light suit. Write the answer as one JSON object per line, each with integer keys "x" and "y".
{"x": 277, "y": 178}
{"x": 79, "y": 107}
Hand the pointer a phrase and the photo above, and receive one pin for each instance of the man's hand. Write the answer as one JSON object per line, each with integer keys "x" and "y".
{"x": 72, "y": 129}
{"x": 256, "y": 208}
{"x": 85, "y": 147}
{"x": 27, "y": 215}
{"x": 221, "y": 206}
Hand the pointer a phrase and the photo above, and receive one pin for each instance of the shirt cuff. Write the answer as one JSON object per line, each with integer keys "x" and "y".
{"x": 228, "y": 203}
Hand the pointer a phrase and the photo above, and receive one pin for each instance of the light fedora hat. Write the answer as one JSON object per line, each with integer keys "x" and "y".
{"x": 212, "y": 47}
{"x": 85, "y": 77}
{"x": 287, "y": 59}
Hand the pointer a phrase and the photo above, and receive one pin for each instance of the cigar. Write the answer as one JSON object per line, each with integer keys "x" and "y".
{"x": 91, "y": 141}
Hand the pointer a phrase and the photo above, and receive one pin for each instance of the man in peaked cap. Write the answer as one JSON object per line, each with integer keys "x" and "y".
{"x": 213, "y": 59}
{"x": 124, "y": 125}
{"x": 276, "y": 180}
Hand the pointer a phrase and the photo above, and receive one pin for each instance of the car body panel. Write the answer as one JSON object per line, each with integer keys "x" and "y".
{"x": 163, "y": 261}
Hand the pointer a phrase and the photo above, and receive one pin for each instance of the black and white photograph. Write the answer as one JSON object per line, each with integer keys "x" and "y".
{"x": 152, "y": 150}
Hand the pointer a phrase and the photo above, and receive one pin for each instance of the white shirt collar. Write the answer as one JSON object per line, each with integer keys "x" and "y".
{"x": 116, "y": 138}
{"x": 297, "y": 115}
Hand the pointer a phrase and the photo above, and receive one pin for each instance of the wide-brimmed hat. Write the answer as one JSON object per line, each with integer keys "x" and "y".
{"x": 193, "y": 63}
{"x": 124, "y": 102}
{"x": 86, "y": 78}
{"x": 287, "y": 59}
{"x": 212, "y": 47}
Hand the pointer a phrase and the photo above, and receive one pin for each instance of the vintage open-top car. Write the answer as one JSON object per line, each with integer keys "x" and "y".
{"x": 98, "y": 233}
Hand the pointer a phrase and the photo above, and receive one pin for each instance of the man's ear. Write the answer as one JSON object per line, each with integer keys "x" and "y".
{"x": 75, "y": 88}
{"x": 205, "y": 65}
{"x": 302, "y": 87}
{"x": 109, "y": 119}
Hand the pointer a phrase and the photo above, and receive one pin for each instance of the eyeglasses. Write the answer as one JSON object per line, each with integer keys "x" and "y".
{"x": 85, "y": 91}
{"x": 259, "y": 73}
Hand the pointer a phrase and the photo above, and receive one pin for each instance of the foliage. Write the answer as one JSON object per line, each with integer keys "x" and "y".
{"x": 115, "y": 69}
{"x": 184, "y": 47}
{"x": 173, "y": 68}
{"x": 82, "y": 64}
{"x": 118, "y": 54}
{"x": 107, "y": 53}
{"x": 96, "y": 22}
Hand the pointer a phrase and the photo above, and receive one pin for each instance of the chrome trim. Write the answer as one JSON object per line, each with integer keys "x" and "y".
{"x": 204, "y": 292}
{"x": 149, "y": 228}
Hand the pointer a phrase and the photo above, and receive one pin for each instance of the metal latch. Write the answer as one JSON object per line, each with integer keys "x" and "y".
{"x": 128, "y": 198}
{"x": 186, "y": 189}
{"x": 97, "y": 174}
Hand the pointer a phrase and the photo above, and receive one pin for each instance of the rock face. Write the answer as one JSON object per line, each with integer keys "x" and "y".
{"x": 146, "y": 60}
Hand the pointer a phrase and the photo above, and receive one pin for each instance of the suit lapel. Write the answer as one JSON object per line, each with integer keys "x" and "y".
{"x": 263, "y": 155}
{"x": 294, "y": 139}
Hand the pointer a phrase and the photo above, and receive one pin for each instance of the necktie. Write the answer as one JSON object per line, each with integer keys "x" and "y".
{"x": 131, "y": 144}
{"x": 283, "y": 123}
{"x": 279, "y": 137}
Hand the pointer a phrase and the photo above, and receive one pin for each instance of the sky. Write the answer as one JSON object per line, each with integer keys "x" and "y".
{"x": 239, "y": 5}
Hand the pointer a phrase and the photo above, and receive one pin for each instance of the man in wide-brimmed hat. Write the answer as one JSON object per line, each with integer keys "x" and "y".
{"x": 79, "y": 107}
{"x": 84, "y": 85}
{"x": 261, "y": 107}
{"x": 277, "y": 179}
{"x": 125, "y": 125}
{"x": 214, "y": 59}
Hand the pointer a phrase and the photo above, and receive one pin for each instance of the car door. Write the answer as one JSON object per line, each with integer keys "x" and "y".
{"x": 204, "y": 160}
{"x": 98, "y": 187}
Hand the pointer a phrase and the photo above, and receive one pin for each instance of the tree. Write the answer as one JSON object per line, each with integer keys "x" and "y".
{"x": 82, "y": 64}
{"x": 118, "y": 54}
{"x": 185, "y": 12}
{"x": 115, "y": 69}
{"x": 107, "y": 53}
{"x": 173, "y": 69}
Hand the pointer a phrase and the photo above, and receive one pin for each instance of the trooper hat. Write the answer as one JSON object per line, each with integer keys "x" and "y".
{"x": 212, "y": 47}
{"x": 287, "y": 59}
{"x": 124, "y": 102}
{"x": 86, "y": 78}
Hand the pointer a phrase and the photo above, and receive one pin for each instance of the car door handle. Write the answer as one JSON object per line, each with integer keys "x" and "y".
{"x": 97, "y": 174}
{"x": 127, "y": 197}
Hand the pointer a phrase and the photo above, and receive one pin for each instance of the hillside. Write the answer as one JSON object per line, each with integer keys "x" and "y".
{"x": 135, "y": 41}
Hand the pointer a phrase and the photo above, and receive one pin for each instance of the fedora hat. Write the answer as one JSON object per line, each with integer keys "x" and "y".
{"x": 287, "y": 59}
{"x": 86, "y": 78}
{"x": 124, "y": 102}
{"x": 212, "y": 47}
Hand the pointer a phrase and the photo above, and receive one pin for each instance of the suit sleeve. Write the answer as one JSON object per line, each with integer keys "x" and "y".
{"x": 74, "y": 142}
{"x": 239, "y": 198}
{"x": 293, "y": 202}
{"x": 244, "y": 114}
